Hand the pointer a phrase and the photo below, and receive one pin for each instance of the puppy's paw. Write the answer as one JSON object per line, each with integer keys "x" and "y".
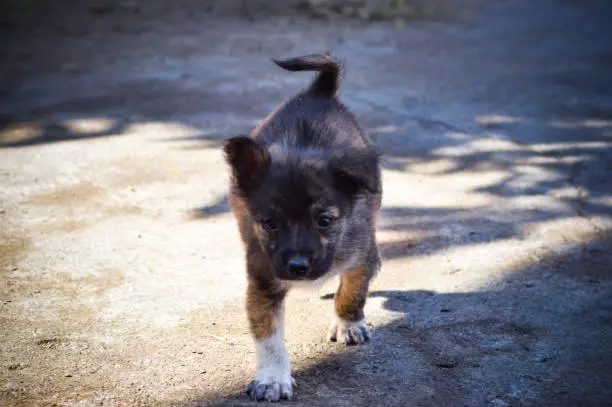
{"x": 272, "y": 385}
{"x": 349, "y": 333}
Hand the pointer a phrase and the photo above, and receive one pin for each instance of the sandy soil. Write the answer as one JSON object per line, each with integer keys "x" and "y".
{"x": 121, "y": 274}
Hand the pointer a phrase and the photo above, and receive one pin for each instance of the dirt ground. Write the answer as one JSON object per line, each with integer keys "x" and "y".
{"x": 122, "y": 278}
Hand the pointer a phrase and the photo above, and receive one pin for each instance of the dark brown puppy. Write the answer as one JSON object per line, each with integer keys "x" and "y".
{"x": 305, "y": 190}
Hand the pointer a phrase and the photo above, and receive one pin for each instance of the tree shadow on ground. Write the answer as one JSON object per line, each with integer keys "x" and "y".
{"x": 524, "y": 345}
{"x": 116, "y": 109}
{"x": 30, "y": 134}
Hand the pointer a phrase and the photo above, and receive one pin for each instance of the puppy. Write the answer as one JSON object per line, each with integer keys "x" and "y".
{"x": 305, "y": 191}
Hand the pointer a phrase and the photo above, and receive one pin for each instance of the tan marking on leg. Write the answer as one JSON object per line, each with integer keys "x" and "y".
{"x": 264, "y": 302}
{"x": 273, "y": 381}
{"x": 350, "y": 298}
{"x": 349, "y": 326}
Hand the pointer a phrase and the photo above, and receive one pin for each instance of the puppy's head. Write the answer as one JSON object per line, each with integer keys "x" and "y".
{"x": 300, "y": 202}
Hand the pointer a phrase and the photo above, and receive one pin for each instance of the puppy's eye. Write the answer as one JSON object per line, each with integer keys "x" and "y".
{"x": 269, "y": 225}
{"x": 324, "y": 222}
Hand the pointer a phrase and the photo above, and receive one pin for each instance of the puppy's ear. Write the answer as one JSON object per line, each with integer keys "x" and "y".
{"x": 356, "y": 171}
{"x": 248, "y": 160}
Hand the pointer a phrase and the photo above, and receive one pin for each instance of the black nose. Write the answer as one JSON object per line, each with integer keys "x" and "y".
{"x": 298, "y": 266}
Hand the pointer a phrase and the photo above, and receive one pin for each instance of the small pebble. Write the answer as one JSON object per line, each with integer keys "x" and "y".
{"x": 496, "y": 401}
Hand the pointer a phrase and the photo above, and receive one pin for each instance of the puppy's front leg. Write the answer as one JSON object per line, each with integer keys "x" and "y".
{"x": 265, "y": 312}
{"x": 349, "y": 325}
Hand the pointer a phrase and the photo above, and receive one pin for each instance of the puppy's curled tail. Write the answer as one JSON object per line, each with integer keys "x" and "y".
{"x": 326, "y": 82}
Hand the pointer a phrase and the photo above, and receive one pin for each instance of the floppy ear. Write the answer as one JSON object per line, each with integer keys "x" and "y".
{"x": 356, "y": 171}
{"x": 248, "y": 161}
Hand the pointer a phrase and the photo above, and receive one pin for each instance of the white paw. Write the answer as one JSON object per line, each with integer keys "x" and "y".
{"x": 349, "y": 333}
{"x": 271, "y": 384}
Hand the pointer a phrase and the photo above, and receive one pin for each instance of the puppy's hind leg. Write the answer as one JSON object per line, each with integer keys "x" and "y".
{"x": 349, "y": 325}
{"x": 265, "y": 313}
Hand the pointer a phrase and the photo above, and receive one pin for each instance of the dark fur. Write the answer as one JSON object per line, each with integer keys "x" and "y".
{"x": 307, "y": 163}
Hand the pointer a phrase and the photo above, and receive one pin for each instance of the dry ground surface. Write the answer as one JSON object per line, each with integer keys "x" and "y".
{"x": 122, "y": 278}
